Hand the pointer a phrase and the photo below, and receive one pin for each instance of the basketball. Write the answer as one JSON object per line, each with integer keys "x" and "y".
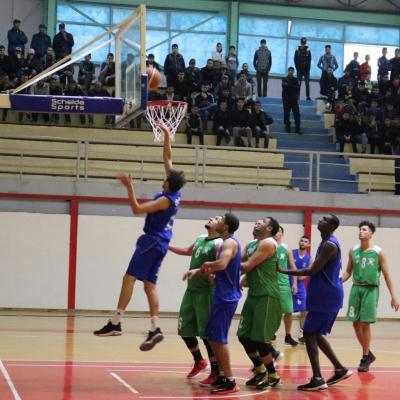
{"x": 154, "y": 78}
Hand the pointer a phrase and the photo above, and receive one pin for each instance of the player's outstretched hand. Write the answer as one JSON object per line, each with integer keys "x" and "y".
{"x": 395, "y": 304}
{"x": 294, "y": 289}
{"x": 163, "y": 127}
{"x": 188, "y": 275}
{"x": 126, "y": 180}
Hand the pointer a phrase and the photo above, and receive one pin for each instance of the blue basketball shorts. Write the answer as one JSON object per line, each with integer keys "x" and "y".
{"x": 146, "y": 260}
{"x": 219, "y": 322}
{"x": 299, "y": 301}
{"x": 319, "y": 323}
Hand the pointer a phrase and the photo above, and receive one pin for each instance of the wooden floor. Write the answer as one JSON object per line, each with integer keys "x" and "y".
{"x": 51, "y": 356}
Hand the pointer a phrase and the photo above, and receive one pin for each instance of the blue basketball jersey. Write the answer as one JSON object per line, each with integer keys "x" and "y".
{"x": 325, "y": 289}
{"x": 227, "y": 282}
{"x": 160, "y": 223}
{"x": 301, "y": 263}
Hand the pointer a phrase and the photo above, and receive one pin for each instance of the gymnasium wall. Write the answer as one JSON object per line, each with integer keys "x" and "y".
{"x": 34, "y": 259}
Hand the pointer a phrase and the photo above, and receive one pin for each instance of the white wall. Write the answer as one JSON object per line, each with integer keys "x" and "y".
{"x": 29, "y": 12}
{"x": 34, "y": 260}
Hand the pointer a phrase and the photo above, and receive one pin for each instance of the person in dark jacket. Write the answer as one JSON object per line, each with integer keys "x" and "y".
{"x": 194, "y": 125}
{"x": 354, "y": 67}
{"x": 150, "y": 62}
{"x": 174, "y": 63}
{"x": 222, "y": 123}
{"x": 73, "y": 90}
{"x": 208, "y": 75}
{"x": 262, "y": 62}
{"x": 328, "y": 86}
{"x": 290, "y": 99}
{"x": 16, "y": 38}
{"x": 302, "y": 62}
{"x": 260, "y": 122}
{"x": 383, "y": 65}
{"x": 49, "y": 58}
{"x": 241, "y": 123}
{"x": 206, "y": 103}
{"x": 345, "y": 83}
{"x": 41, "y": 41}
{"x": 33, "y": 64}
{"x": 192, "y": 75}
{"x": 63, "y": 42}
{"x": 86, "y": 73}
{"x": 5, "y": 62}
{"x": 395, "y": 65}
{"x": 182, "y": 87}
{"x": 347, "y": 131}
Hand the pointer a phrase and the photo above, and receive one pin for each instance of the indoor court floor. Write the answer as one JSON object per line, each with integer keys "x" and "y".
{"x": 52, "y": 356}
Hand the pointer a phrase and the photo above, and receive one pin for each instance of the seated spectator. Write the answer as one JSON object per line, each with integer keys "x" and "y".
{"x": 328, "y": 87}
{"x": 206, "y": 104}
{"x": 40, "y": 88}
{"x": 242, "y": 89}
{"x": 170, "y": 94}
{"x": 223, "y": 71}
{"x": 99, "y": 91}
{"x": 222, "y": 123}
{"x": 74, "y": 90}
{"x": 344, "y": 83}
{"x": 5, "y": 62}
{"x": 361, "y": 97}
{"x": 389, "y": 110}
{"x": 224, "y": 84}
{"x": 33, "y": 64}
{"x": 16, "y": 38}
{"x": 182, "y": 87}
{"x": 192, "y": 75}
{"x": 66, "y": 75}
{"x": 249, "y": 77}
{"x": 5, "y": 85}
{"x": 354, "y": 67}
{"x": 150, "y": 62}
{"x": 107, "y": 71}
{"x": 86, "y": 73}
{"x": 217, "y": 56}
{"x": 17, "y": 61}
{"x": 347, "y": 131}
{"x": 241, "y": 124}
{"x": 389, "y": 135}
{"x": 23, "y": 79}
{"x": 232, "y": 63}
{"x": 49, "y": 58}
{"x": 260, "y": 122}
{"x": 194, "y": 125}
{"x": 55, "y": 89}
{"x": 384, "y": 84}
{"x": 370, "y": 128}
{"x": 63, "y": 42}
{"x": 208, "y": 75}
{"x": 230, "y": 100}
{"x": 375, "y": 110}
{"x": 41, "y": 41}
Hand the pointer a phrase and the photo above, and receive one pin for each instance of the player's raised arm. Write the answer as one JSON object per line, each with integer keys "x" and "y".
{"x": 265, "y": 250}
{"x": 182, "y": 251}
{"x": 167, "y": 151}
{"x": 385, "y": 271}
{"x": 349, "y": 270}
{"x": 228, "y": 251}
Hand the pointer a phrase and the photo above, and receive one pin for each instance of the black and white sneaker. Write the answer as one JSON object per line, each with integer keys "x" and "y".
{"x": 301, "y": 340}
{"x": 226, "y": 387}
{"x": 153, "y": 337}
{"x": 256, "y": 379}
{"x": 314, "y": 385}
{"x": 109, "y": 330}
{"x": 365, "y": 362}
{"x": 276, "y": 356}
{"x": 290, "y": 341}
{"x": 338, "y": 376}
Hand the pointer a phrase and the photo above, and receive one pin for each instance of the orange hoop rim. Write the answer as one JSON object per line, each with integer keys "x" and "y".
{"x": 163, "y": 103}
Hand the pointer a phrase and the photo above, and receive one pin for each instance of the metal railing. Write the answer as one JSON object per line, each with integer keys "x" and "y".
{"x": 83, "y": 159}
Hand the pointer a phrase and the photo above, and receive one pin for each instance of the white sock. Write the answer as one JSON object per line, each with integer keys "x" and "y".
{"x": 154, "y": 322}
{"x": 117, "y": 316}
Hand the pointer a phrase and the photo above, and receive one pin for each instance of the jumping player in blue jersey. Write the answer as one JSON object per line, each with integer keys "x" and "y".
{"x": 225, "y": 300}
{"x": 302, "y": 259}
{"x": 324, "y": 300}
{"x": 151, "y": 247}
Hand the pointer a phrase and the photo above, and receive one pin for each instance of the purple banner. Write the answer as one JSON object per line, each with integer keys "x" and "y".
{"x": 67, "y": 104}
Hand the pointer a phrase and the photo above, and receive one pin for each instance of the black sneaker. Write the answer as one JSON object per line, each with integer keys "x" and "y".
{"x": 314, "y": 385}
{"x": 338, "y": 376}
{"x": 218, "y": 382}
{"x": 290, "y": 341}
{"x": 274, "y": 379}
{"x": 226, "y": 387}
{"x": 287, "y": 129}
{"x": 109, "y": 330}
{"x": 263, "y": 384}
{"x": 365, "y": 362}
{"x": 301, "y": 340}
{"x": 256, "y": 379}
{"x": 153, "y": 337}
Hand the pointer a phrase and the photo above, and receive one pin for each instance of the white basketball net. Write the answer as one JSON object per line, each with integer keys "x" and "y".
{"x": 170, "y": 113}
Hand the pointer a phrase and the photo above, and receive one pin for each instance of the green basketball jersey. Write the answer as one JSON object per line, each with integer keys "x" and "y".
{"x": 263, "y": 280}
{"x": 366, "y": 267}
{"x": 203, "y": 250}
{"x": 282, "y": 254}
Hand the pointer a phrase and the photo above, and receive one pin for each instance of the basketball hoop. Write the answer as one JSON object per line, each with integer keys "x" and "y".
{"x": 170, "y": 113}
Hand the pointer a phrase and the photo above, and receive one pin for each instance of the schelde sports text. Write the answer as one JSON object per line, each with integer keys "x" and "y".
{"x": 67, "y": 105}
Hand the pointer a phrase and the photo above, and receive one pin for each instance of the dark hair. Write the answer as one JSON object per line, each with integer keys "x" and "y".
{"x": 110, "y": 55}
{"x": 222, "y": 101}
{"x": 328, "y": 46}
{"x": 232, "y": 221}
{"x": 241, "y": 99}
{"x": 303, "y": 40}
{"x": 274, "y": 224}
{"x": 176, "y": 180}
{"x": 334, "y": 221}
{"x": 174, "y": 46}
{"x": 290, "y": 69}
{"x": 42, "y": 26}
{"x": 258, "y": 102}
{"x": 232, "y": 47}
{"x": 151, "y": 55}
{"x": 263, "y": 41}
{"x": 16, "y": 21}
{"x": 305, "y": 237}
{"x": 2, "y": 47}
{"x": 370, "y": 225}
{"x": 62, "y": 25}
{"x": 385, "y": 48}
{"x": 210, "y": 59}
{"x": 281, "y": 228}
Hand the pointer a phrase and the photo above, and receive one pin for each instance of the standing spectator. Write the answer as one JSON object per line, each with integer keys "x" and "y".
{"x": 41, "y": 41}
{"x": 174, "y": 63}
{"x": 73, "y": 90}
{"x": 16, "y": 38}
{"x": 40, "y": 88}
{"x": 262, "y": 64}
{"x": 192, "y": 75}
{"x": 383, "y": 65}
{"x": 232, "y": 63}
{"x": 302, "y": 62}
{"x": 49, "y": 58}
{"x": 193, "y": 125}
{"x": 327, "y": 60}
{"x": 328, "y": 87}
{"x": 107, "y": 71}
{"x": 5, "y": 62}
{"x": 365, "y": 68}
{"x": 242, "y": 89}
{"x": 290, "y": 99}
{"x": 395, "y": 65}
{"x": 354, "y": 67}
{"x": 205, "y": 101}
{"x": 217, "y": 56}
{"x": 222, "y": 123}
{"x": 86, "y": 73}
{"x": 241, "y": 124}
{"x": 63, "y": 42}
{"x": 151, "y": 62}
{"x": 260, "y": 122}
{"x": 224, "y": 84}
{"x": 208, "y": 75}
{"x": 227, "y": 96}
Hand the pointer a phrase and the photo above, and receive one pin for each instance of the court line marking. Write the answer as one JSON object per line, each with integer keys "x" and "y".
{"x": 124, "y": 383}
{"x": 9, "y": 381}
